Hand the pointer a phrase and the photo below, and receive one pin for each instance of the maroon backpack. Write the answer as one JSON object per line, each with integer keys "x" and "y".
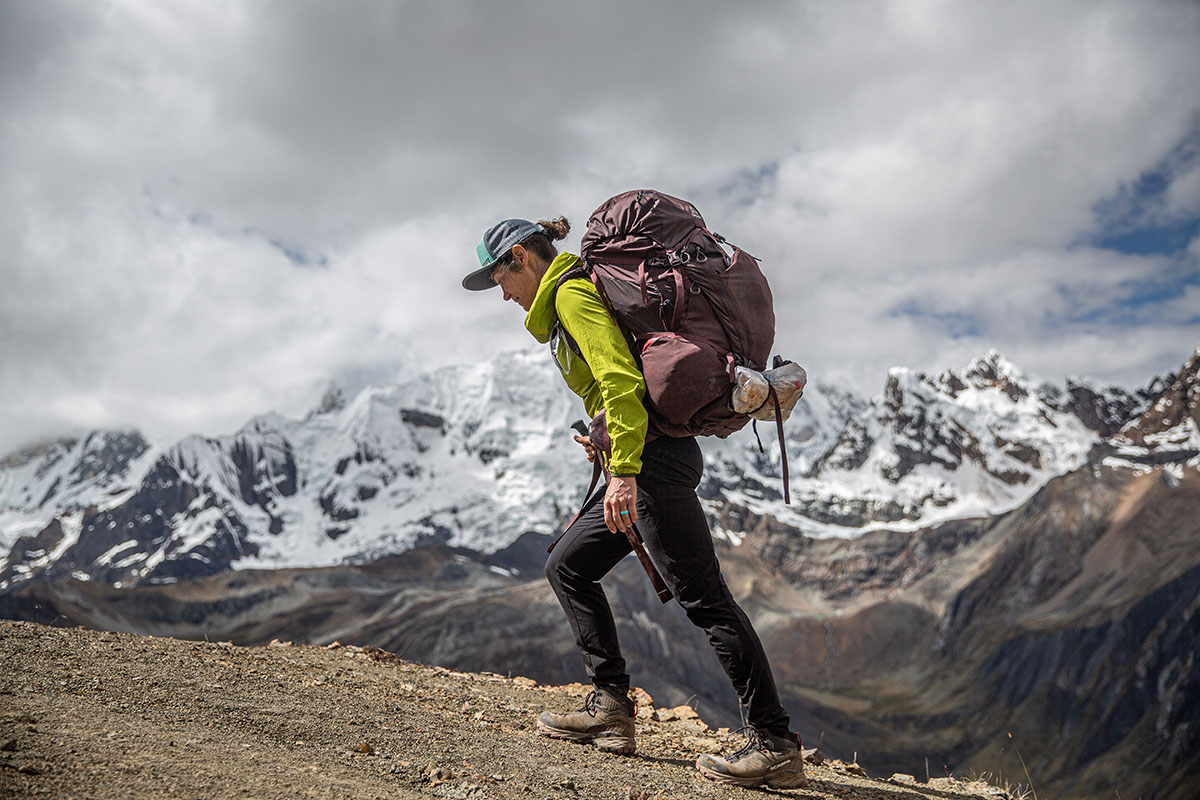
{"x": 690, "y": 311}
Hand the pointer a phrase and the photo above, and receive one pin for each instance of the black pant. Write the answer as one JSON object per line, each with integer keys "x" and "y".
{"x": 676, "y": 534}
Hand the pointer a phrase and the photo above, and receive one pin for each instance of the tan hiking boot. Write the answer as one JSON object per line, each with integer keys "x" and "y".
{"x": 766, "y": 760}
{"x": 605, "y": 720}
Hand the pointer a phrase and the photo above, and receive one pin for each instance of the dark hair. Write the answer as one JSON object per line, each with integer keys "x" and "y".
{"x": 541, "y": 244}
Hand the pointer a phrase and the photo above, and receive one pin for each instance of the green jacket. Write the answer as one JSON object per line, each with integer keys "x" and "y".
{"x": 607, "y": 376}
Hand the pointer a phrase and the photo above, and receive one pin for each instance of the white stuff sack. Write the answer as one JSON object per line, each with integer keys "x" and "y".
{"x": 752, "y": 390}
{"x": 752, "y": 394}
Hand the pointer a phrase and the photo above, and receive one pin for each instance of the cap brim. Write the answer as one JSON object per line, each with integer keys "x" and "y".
{"x": 480, "y": 279}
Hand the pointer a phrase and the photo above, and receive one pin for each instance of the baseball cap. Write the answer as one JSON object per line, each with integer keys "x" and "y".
{"x": 496, "y": 243}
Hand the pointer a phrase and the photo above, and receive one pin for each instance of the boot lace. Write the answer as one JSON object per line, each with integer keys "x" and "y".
{"x": 591, "y": 705}
{"x": 756, "y": 742}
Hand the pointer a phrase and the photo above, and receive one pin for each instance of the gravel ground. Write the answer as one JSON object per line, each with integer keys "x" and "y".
{"x": 87, "y": 714}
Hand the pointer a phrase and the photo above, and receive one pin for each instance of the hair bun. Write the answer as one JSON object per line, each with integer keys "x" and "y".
{"x": 556, "y": 228}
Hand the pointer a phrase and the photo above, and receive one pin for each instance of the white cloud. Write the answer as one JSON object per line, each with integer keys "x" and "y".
{"x": 918, "y": 177}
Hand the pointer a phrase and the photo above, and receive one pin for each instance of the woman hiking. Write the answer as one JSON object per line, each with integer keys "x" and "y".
{"x": 653, "y": 484}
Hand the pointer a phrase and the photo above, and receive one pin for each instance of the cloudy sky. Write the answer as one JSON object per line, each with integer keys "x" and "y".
{"x": 209, "y": 208}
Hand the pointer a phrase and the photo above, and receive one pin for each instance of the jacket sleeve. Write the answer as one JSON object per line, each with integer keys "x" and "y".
{"x": 622, "y": 387}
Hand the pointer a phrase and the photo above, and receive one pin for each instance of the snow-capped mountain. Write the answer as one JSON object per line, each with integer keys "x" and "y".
{"x": 476, "y": 455}
{"x": 469, "y": 455}
{"x": 929, "y": 448}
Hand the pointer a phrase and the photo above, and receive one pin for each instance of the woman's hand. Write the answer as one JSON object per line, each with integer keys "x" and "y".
{"x": 587, "y": 446}
{"x": 620, "y": 504}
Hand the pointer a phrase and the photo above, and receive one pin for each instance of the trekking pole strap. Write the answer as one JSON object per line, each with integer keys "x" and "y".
{"x": 587, "y": 496}
{"x": 634, "y": 537}
{"x": 635, "y": 540}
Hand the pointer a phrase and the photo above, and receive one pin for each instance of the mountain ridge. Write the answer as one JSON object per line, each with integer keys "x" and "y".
{"x": 477, "y": 455}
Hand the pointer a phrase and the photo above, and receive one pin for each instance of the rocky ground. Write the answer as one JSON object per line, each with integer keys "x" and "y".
{"x": 86, "y": 714}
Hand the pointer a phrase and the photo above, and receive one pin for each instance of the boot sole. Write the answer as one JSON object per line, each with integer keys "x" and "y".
{"x": 783, "y": 779}
{"x": 608, "y": 742}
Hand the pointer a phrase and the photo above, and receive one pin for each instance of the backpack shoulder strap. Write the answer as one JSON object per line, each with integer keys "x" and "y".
{"x": 578, "y": 271}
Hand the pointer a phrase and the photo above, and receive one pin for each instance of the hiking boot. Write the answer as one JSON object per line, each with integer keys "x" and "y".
{"x": 605, "y": 720}
{"x": 766, "y": 760}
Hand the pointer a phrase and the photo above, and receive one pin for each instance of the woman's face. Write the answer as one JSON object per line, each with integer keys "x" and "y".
{"x": 521, "y": 283}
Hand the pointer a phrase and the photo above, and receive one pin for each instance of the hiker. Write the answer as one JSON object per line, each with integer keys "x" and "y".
{"x": 653, "y": 485}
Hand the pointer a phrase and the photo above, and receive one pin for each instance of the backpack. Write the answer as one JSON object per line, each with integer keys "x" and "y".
{"x": 691, "y": 312}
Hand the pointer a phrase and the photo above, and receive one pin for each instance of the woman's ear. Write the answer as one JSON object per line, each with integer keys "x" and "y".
{"x": 520, "y": 255}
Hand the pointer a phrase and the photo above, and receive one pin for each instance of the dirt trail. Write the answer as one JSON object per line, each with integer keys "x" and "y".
{"x": 87, "y": 714}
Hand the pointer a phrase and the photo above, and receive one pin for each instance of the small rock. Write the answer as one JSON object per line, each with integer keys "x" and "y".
{"x": 663, "y": 715}
{"x": 521, "y": 680}
{"x": 272, "y": 643}
{"x": 28, "y": 769}
{"x": 685, "y": 712}
{"x": 812, "y": 755}
{"x": 900, "y": 777}
{"x": 333, "y": 645}
{"x": 9, "y": 746}
{"x": 364, "y": 747}
{"x": 702, "y": 744}
{"x": 855, "y": 769}
{"x": 439, "y": 774}
{"x": 566, "y": 785}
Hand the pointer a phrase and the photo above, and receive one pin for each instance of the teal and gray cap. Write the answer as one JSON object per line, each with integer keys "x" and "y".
{"x": 494, "y": 246}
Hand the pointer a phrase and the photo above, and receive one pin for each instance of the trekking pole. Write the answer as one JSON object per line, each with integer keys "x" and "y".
{"x": 656, "y": 580}
{"x": 634, "y": 537}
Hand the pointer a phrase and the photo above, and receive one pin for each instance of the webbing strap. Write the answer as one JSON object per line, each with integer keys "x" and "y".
{"x": 787, "y": 496}
{"x": 679, "y": 299}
